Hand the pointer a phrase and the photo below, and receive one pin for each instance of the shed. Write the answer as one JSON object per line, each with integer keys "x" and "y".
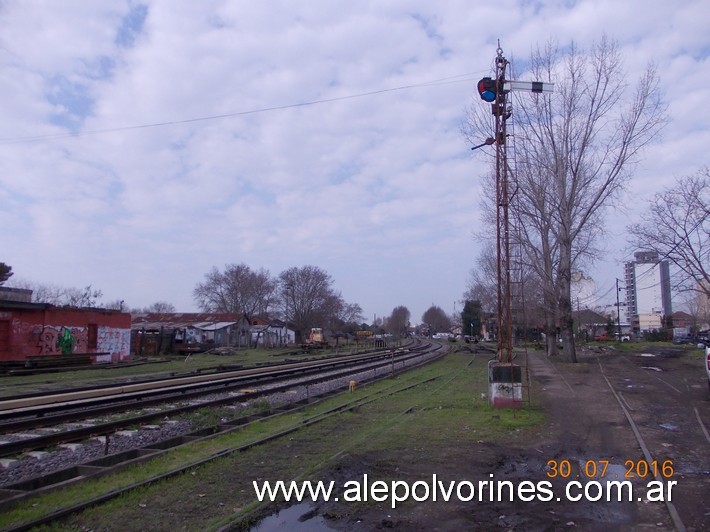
{"x": 39, "y": 329}
{"x": 170, "y": 332}
{"x": 271, "y": 333}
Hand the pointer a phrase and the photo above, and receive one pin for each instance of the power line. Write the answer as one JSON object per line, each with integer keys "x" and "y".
{"x": 460, "y": 78}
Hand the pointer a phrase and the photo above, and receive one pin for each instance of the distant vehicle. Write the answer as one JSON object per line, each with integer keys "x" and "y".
{"x": 624, "y": 337}
{"x": 316, "y": 340}
{"x": 316, "y": 336}
{"x": 600, "y": 338}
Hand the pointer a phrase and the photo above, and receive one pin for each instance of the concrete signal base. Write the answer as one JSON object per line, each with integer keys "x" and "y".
{"x": 505, "y": 384}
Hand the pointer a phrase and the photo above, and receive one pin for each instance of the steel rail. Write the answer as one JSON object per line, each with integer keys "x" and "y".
{"x": 68, "y": 436}
{"x": 73, "y": 509}
{"x": 211, "y": 370}
{"x": 42, "y": 404}
{"x": 672, "y": 511}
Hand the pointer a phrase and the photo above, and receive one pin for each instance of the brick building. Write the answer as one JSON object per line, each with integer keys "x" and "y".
{"x": 39, "y": 329}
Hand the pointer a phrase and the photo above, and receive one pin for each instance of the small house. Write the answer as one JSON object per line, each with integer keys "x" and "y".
{"x": 271, "y": 333}
{"x": 171, "y": 332}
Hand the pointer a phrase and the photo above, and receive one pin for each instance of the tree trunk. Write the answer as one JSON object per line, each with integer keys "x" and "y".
{"x": 551, "y": 340}
{"x": 550, "y": 328}
{"x": 565, "y": 302}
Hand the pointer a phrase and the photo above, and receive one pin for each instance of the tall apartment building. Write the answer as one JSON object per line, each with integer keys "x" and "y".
{"x": 648, "y": 285}
{"x": 703, "y": 303}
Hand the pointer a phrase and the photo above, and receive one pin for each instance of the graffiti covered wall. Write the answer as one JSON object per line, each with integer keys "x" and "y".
{"x": 60, "y": 340}
{"x": 35, "y": 330}
{"x": 115, "y": 342}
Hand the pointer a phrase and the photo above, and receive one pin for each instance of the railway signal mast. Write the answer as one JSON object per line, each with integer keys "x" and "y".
{"x": 503, "y": 374}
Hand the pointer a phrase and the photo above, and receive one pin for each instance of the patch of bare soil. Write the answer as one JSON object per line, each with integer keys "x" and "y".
{"x": 585, "y": 426}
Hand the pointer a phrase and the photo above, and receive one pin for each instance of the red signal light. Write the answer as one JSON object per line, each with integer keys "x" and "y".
{"x": 487, "y": 90}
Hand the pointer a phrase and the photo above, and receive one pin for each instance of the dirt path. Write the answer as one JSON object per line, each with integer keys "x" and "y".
{"x": 587, "y": 429}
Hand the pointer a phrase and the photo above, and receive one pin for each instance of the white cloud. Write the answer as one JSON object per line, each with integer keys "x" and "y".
{"x": 379, "y": 190}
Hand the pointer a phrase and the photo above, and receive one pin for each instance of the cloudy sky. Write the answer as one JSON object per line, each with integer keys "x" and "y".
{"x": 143, "y": 143}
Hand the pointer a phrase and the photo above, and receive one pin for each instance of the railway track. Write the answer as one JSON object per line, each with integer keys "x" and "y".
{"x": 22, "y": 491}
{"x": 176, "y": 400}
{"x": 663, "y": 426}
{"x": 40, "y": 404}
{"x": 665, "y": 407}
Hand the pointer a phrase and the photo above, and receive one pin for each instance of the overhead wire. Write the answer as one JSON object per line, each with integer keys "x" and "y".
{"x": 459, "y": 78}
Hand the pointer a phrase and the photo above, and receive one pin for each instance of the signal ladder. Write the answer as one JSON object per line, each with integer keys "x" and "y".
{"x": 517, "y": 267}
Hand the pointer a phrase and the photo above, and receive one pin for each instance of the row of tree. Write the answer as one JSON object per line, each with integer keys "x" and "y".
{"x": 434, "y": 320}
{"x": 574, "y": 152}
{"x": 303, "y": 297}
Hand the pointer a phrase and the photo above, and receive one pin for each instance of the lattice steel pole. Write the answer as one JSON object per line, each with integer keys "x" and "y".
{"x": 504, "y": 377}
{"x": 505, "y": 325}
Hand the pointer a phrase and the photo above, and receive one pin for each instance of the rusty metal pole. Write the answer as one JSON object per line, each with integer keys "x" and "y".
{"x": 505, "y": 326}
{"x": 504, "y": 377}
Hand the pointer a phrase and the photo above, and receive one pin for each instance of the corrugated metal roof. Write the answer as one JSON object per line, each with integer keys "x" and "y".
{"x": 182, "y": 320}
{"x": 207, "y": 326}
{"x": 203, "y": 325}
{"x": 185, "y": 317}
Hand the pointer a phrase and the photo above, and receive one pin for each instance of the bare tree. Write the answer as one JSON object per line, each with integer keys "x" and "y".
{"x": 238, "y": 289}
{"x": 306, "y": 297}
{"x": 691, "y": 302}
{"x": 677, "y": 226}
{"x": 350, "y": 313}
{"x": 59, "y": 295}
{"x": 160, "y": 307}
{"x": 436, "y": 319}
{"x": 398, "y": 322}
{"x": 82, "y": 297}
{"x": 45, "y": 293}
{"x": 116, "y": 304}
{"x": 574, "y": 151}
{"x": 529, "y": 310}
{"x": 482, "y": 284}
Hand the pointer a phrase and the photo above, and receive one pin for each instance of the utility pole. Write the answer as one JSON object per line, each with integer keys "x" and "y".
{"x": 495, "y": 91}
{"x": 618, "y": 309}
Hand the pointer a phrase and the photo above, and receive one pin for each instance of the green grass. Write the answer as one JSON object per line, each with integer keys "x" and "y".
{"x": 413, "y": 425}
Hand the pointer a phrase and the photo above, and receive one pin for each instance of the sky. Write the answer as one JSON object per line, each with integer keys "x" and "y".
{"x": 144, "y": 143}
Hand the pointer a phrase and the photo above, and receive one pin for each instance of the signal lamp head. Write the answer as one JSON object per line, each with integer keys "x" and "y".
{"x": 487, "y": 90}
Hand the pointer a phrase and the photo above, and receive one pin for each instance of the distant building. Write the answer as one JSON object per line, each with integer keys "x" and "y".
{"x": 170, "y": 332}
{"x": 582, "y": 291}
{"x": 590, "y": 323}
{"x": 648, "y": 290}
{"x": 682, "y": 319}
{"x": 30, "y": 330}
{"x": 683, "y": 324}
{"x": 703, "y": 303}
{"x": 610, "y": 310}
{"x": 21, "y": 295}
{"x": 271, "y": 333}
{"x": 647, "y": 322}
